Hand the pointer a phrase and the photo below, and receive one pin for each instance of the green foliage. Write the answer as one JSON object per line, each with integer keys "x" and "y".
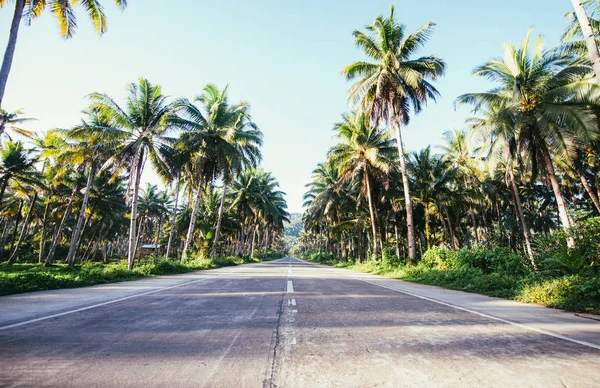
{"x": 17, "y": 278}
{"x": 498, "y": 272}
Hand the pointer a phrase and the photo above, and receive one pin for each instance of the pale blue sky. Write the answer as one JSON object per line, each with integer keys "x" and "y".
{"x": 283, "y": 57}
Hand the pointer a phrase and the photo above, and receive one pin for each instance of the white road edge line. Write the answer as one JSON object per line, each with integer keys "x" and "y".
{"x": 290, "y": 286}
{"x": 522, "y": 326}
{"x": 23, "y": 323}
{"x": 102, "y": 304}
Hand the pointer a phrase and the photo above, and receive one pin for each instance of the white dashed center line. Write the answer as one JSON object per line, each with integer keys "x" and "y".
{"x": 290, "y": 286}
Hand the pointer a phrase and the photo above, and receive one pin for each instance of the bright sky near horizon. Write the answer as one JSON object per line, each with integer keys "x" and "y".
{"x": 283, "y": 57}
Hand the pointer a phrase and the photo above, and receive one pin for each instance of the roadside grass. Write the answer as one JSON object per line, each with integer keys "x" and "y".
{"x": 572, "y": 292}
{"x": 26, "y": 277}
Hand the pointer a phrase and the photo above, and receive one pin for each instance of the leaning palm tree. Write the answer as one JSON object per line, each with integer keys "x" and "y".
{"x": 364, "y": 155}
{"x": 393, "y": 82}
{"x": 65, "y": 16}
{"x": 588, "y": 34}
{"x": 546, "y": 98}
{"x": 131, "y": 136}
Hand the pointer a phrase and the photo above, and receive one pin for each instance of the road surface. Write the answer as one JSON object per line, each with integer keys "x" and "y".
{"x": 289, "y": 323}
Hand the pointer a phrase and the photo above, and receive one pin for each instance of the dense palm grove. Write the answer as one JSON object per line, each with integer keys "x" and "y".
{"x": 77, "y": 194}
{"x": 523, "y": 173}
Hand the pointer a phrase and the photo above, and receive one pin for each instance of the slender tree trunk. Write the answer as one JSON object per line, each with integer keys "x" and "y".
{"x": 588, "y": 34}
{"x": 405, "y": 182}
{"x": 3, "y": 186}
{"x": 597, "y": 183}
{"x": 427, "y": 230}
{"x": 23, "y": 229}
{"x": 521, "y": 216}
{"x": 79, "y": 226}
{"x": 253, "y": 241}
{"x": 450, "y": 230}
{"x": 371, "y": 210}
{"x": 560, "y": 199}
{"x": 43, "y": 233}
{"x": 57, "y": 237}
{"x": 213, "y": 251}
{"x": 589, "y": 190}
{"x": 10, "y": 47}
{"x": 190, "y": 233}
{"x": 134, "y": 203}
{"x": 397, "y": 240}
{"x": 173, "y": 218}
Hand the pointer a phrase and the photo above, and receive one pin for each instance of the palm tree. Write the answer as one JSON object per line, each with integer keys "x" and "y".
{"x": 394, "y": 82}
{"x": 133, "y": 135}
{"x": 432, "y": 177}
{"x": 16, "y": 163}
{"x": 216, "y": 135}
{"x": 588, "y": 35}
{"x": 365, "y": 154}
{"x": 65, "y": 16}
{"x": 546, "y": 99}
{"x": 9, "y": 119}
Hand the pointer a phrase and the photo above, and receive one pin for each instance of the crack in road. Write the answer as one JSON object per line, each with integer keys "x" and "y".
{"x": 276, "y": 339}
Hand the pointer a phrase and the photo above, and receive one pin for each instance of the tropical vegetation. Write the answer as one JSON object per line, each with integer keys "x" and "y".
{"x": 507, "y": 204}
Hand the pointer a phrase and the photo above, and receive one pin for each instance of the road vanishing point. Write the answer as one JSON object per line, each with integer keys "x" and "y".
{"x": 289, "y": 323}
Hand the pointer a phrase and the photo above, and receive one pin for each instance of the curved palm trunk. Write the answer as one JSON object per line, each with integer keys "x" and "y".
{"x": 134, "y": 203}
{"x": 219, "y": 219}
{"x": 563, "y": 213}
{"x": 23, "y": 229}
{"x": 190, "y": 233}
{"x": 521, "y": 216}
{"x": 397, "y": 239}
{"x": 371, "y": 210}
{"x": 79, "y": 226}
{"x": 589, "y": 190}
{"x": 588, "y": 34}
{"x": 173, "y": 218}
{"x": 560, "y": 199}
{"x": 56, "y": 240}
{"x": 11, "y": 46}
{"x": 409, "y": 211}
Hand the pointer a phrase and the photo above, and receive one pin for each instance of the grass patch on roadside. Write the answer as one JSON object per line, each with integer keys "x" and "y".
{"x": 496, "y": 273}
{"x": 26, "y": 277}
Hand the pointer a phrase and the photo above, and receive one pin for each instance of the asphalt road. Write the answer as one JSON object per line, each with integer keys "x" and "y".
{"x": 289, "y": 323}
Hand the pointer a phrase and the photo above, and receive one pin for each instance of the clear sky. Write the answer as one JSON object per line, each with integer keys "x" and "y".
{"x": 283, "y": 57}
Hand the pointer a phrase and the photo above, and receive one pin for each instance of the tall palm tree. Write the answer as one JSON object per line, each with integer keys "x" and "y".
{"x": 65, "y": 16}
{"x": 588, "y": 35}
{"x": 216, "y": 135}
{"x": 364, "y": 155}
{"x": 9, "y": 119}
{"x": 547, "y": 99}
{"x": 131, "y": 136}
{"x": 393, "y": 82}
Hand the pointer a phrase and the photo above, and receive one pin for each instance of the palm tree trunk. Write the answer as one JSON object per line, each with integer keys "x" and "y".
{"x": 589, "y": 190}
{"x": 56, "y": 239}
{"x": 405, "y": 182}
{"x": 43, "y": 233}
{"x": 597, "y": 183}
{"x": 79, "y": 226}
{"x": 450, "y": 230}
{"x": 213, "y": 251}
{"x": 397, "y": 240}
{"x": 173, "y": 218}
{"x": 560, "y": 199}
{"x": 371, "y": 210}
{"x": 3, "y": 186}
{"x": 23, "y": 229}
{"x": 189, "y": 239}
{"x": 253, "y": 241}
{"x": 134, "y": 203}
{"x": 11, "y": 46}
{"x": 427, "y": 230}
{"x": 588, "y": 34}
{"x": 521, "y": 216}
